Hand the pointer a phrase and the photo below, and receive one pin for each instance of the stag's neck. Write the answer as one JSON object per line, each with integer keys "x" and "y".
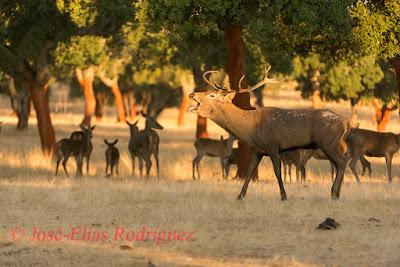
{"x": 237, "y": 121}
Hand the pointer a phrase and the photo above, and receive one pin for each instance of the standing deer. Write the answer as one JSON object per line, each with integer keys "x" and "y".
{"x": 86, "y": 131}
{"x": 154, "y": 138}
{"x": 112, "y": 157}
{"x": 77, "y": 146}
{"x": 297, "y": 157}
{"x": 212, "y": 148}
{"x": 231, "y": 160}
{"x": 269, "y": 131}
{"x": 372, "y": 144}
{"x": 139, "y": 146}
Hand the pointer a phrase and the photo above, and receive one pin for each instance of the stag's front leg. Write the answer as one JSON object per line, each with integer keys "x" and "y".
{"x": 276, "y": 162}
{"x": 388, "y": 158}
{"x": 253, "y": 164}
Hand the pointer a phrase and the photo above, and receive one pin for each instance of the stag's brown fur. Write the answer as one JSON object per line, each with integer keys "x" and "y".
{"x": 269, "y": 131}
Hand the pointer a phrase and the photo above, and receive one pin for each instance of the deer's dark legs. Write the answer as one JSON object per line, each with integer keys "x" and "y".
{"x": 353, "y": 167}
{"x": 58, "y": 164}
{"x": 107, "y": 168}
{"x": 284, "y": 171}
{"x": 298, "y": 173}
{"x": 133, "y": 164}
{"x": 366, "y": 165}
{"x": 140, "y": 166}
{"x": 116, "y": 166}
{"x": 388, "y": 158}
{"x": 339, "y": 160}
{"x": 332, "y": 171}
{"x": 253, "y": 164}
{"x": 276, "y": 162}
{"x": 157, "y": 164}
{"x": 79, "y": 165}
{"x": 195, "y": 165}
{"x": 222, "y": 161}
{"x": 64, "y": 163}
{"x": 87, "y": 163}
{"x": 148, "y": 167}
{"x": 303, "y": 173}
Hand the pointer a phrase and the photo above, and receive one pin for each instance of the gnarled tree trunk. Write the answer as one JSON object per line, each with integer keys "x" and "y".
{"x": 20, "y": 102}
{"x": 354, "y": 114}
{"x": 187, "y": 83}
{"x": 101, "y": 100}
{"x": 85, "y": 78}
{"x": 45, "y": 126}
{"x": 119, "y": 101}
{"x": 382, "y": 115}
{"x": 130, "y": 104}
{"x": 396, "y": 65}
{"x": 315, "y": 89}
{"x": 200, "y": 86}
{"x": 236, "y": 68}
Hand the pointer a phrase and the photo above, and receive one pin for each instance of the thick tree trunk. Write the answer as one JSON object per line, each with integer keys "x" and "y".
{"x": 200, "y": 86}
{"x": 119, "y": 102}
{"x": 45, "y": 126}
{"x": 187, "y": 84}
{"x": 101, "y": 100}
{"x": 259, "y": 97}
{"x": 85, "y": 78}
{"x": 316, "y": 93}
{"x": 182, "y": 109}
{"x": 354, "y": 114}
{"x": 20, "y": 102}
{"x": 130, "y": 104}
{"x": 396, "y": 66}
{"x": 235, "y": 68}
{"x": 382, "y": 115}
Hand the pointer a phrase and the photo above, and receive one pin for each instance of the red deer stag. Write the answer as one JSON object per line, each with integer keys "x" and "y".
{"x": 270, "y": 131}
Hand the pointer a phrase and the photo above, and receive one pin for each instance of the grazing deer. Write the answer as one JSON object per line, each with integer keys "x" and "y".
{"x": 112, "y": 157}
{"x": 74, "y": 146}
{"x": 212, "y": 148}
{"x": 139, "y": 147}
{"x": 372, "y": 144}
{"x": 86, "y": 132}
{"x": 269, "y": 131}
{"x": 154, "y": 138}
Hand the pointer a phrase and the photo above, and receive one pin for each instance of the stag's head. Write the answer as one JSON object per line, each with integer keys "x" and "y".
{"x": 207, "y": 103}
{"x": 133, "y": 127}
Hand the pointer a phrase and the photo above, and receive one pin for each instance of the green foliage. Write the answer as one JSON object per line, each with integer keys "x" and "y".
{"x": 80, "y": 52}
{"x": 376, "y": 28}
{"x": 303, "y": 71}
{"x": 386, "y": 89}
{"x": 353, "y": 80}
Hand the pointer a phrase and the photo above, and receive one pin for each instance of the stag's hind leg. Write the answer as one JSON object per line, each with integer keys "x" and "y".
{"x": 339, "y": 160}
{"x": 253, "y": 164}
{"x": 353, "y": 167}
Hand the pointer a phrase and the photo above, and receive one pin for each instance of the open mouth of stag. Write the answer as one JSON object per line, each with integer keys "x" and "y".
{"x": 194, "y": 105}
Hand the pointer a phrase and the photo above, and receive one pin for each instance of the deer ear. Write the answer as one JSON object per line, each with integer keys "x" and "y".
{"x": 82, "y": 127}
{"x": 143, "y": 114}
{"x": 229, "y": 96}
{"x": 94, "y": 126}
{"x": 136, "y": 122}
{"x": 127, "y": 122}
{"x": 115, "y": 142}
{"x": 105, "y": 142}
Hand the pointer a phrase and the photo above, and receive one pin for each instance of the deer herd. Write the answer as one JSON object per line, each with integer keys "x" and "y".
{"x": 287, "y": 136}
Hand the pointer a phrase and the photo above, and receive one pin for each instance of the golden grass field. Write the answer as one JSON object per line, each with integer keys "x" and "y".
{"x": 259, "y": 231}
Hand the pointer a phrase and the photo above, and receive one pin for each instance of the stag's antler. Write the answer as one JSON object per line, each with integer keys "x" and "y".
{"x": 259, "y": 84}
{"x": 211, "y": 82}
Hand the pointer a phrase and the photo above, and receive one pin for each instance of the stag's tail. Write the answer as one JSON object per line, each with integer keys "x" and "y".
{"x": 342, "y": 140}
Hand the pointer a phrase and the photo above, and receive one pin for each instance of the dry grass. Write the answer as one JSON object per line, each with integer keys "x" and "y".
{"x": 259, "y": 231}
